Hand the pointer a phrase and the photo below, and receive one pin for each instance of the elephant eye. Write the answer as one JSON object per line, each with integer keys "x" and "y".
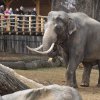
{"x": 57, "y": 28}
{"x": 58, "y": 18}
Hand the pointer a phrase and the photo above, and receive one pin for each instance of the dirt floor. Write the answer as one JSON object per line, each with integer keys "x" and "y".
{"x": 57, "y": 76}
{"x": 48, "y": 76}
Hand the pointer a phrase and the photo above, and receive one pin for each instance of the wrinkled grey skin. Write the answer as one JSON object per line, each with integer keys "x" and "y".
{"x": 51, "y": 92}
{"x": 87, "y": 71}
{"x": 78, "y": 35}
{"x": 58, "y": 51}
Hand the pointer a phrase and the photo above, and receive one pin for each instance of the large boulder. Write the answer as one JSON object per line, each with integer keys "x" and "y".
{"x": 52, "y": 92}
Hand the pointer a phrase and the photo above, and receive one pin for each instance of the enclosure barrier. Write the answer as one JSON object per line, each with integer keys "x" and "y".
{"x": 22, "y": 24}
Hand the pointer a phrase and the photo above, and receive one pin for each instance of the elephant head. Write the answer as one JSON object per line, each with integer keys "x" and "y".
{"x": 57, "y": 29}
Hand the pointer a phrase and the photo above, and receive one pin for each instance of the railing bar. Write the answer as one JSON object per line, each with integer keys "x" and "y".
{"x": 28, "y": 22}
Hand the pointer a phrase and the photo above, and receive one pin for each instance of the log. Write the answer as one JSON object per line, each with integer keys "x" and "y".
{"x": 11, "y": 81}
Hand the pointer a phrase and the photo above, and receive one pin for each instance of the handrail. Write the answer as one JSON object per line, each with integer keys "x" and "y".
{"x": 22, "y": 23}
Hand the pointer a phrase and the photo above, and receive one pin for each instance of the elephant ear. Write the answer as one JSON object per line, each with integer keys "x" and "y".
{"x": 71, "y": 26}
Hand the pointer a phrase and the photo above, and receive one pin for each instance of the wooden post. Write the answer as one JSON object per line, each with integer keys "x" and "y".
{"x": 2, "y": 26}
{"x": 23, "y": 24}
{"x": 8, "y": 23}
{"x": 38, "y": 13}
{"x": 30, "y": 22}
{"x": 42, "y": 24}
{"x": 16, "y": 24}
{"x": 37, "y": 24}
{"x": 38, "y": 7}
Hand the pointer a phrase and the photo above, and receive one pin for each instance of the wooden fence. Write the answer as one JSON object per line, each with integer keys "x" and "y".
{"x": 17, "y": 31}
{"x": 22, "y": 24}
{"x": 17, "y": 43}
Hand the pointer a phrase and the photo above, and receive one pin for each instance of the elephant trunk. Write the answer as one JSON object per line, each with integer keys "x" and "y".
{"x": 46, "y": 43}
{"x": 49, "y": 39}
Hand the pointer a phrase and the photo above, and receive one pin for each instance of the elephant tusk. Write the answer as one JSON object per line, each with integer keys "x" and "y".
{"x": 44, "y": 52}
{"x": 38, "y": 48}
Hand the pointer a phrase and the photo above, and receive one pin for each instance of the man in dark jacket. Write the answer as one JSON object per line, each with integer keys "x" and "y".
{"x": 21, "y": 10}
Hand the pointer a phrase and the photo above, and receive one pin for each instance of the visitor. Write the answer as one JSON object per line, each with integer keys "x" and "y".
{"x": 34, "y": 19}
{"x": 11, "y": 11}
{"x": 12, "y": 19}
{"x": 34, "y": 12}
{"x": 16, "y": 11}
{"x": 6, "y": 12}
{"x": 21, "y": 10}
{"x": 1, "y": 9}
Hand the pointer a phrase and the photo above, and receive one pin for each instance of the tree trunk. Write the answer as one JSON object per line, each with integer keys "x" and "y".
{"x": 62, "y": 5}
{"x": 11, "y": 82}
{"x": 90, "y": 7}
{"x": 59, "y": 5}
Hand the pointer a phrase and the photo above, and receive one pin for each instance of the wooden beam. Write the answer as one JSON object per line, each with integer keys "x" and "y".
{"x": 38, "y": 6}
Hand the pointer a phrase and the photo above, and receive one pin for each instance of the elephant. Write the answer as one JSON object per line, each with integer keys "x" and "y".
{"x": 78, "y": 35}
{"x": 50, "y": 92}
{"x": 57, "y": 53}
{"x": 87, "y": 71}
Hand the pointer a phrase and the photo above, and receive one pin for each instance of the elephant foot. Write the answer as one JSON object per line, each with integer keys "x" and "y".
{"x": 98, "y": 85}
{"x": 84, "y": 85}
{"x": 73, "y": 85}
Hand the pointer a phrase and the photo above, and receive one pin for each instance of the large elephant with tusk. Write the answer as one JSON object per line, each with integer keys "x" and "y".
{"x": 77, "y": 34}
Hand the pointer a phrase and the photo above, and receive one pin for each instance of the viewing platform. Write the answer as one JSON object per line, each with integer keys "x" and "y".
{"x": 22, "y": 24}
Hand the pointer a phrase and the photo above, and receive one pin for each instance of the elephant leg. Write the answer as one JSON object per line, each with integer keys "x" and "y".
{"x": 86, "y": 75}
{"x": 99, "y": 75}
{"x": 71, "y": 74}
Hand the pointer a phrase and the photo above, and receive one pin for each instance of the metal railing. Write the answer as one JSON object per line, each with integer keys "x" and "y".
{"x": 22, "y": 24}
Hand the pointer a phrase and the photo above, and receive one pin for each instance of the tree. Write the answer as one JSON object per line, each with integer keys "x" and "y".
{"x": 8, "y": 2}
{"x": 90, "y": 7}
{"x": 63, "y": 5}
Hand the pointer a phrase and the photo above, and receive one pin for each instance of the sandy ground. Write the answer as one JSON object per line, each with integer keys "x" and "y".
{"x": 57, "y": 76}
{"x": 48, "y": 76}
